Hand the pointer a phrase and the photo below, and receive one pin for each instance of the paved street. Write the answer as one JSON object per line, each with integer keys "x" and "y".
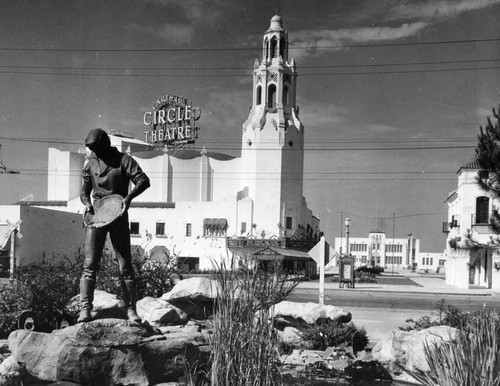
{"x": 384, "y": 306}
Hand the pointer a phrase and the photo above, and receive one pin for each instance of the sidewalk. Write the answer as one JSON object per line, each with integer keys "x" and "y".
{"x": 403, "y": 281}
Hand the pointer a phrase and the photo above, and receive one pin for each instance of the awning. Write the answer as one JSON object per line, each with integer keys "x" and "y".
{"x": 5, "y": 232}
{"x": 215, "y": 223}
{"x": 271, "y": 253}
{"x": 291, "y": 253}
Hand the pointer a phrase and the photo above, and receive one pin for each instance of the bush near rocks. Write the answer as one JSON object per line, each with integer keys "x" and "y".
{"x": 46, "y": 287}
{"x": 332, "y": 333}
{"x": 446, "y": 315}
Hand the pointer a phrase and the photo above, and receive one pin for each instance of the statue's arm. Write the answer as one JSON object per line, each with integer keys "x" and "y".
{"x": 86, "y": 191}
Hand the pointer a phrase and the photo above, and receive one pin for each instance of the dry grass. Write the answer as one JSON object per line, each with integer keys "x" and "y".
{"x": 244, "y": 347}
{"x": 473, "y": 359}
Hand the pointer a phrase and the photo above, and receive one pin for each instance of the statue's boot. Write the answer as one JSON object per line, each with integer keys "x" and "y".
{"x": 130, "y": 299}
{"x": 86, "y": 299}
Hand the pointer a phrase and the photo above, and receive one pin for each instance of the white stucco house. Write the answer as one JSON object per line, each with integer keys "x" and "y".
{"x": 469, "y": 211}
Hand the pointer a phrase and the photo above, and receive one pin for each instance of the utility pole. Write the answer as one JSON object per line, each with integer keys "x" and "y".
{"x": 393, "y": 246}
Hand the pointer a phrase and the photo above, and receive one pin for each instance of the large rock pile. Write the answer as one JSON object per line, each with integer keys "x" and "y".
{"x": 174, "y": 339}
{"x": 109, "y": 352}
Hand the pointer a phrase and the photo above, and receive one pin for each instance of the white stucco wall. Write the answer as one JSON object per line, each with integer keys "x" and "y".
{"x": 457, "y": 270}
{"x": 44, "y": 231}
{"x": 64, "y": 174}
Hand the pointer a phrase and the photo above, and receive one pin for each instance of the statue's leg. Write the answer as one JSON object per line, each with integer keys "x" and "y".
{"x": 94, "y": 244}
{"x": 120, "y": 238}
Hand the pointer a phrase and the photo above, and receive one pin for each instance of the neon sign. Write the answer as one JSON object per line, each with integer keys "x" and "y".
{"x": 172, "y": 122}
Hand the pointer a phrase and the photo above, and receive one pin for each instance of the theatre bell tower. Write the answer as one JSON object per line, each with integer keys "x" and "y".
{"x": 273, "y": 139}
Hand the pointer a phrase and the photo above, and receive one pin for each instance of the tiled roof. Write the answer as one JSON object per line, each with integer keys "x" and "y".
{"x": 470, "y": 165}
{"x": 377, "y": 230}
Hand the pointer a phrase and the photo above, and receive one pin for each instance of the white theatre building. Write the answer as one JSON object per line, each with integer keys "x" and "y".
{"x": 205, "y": 206}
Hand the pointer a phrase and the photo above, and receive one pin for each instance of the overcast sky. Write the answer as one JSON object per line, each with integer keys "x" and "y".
{"x": 391, "y": 93}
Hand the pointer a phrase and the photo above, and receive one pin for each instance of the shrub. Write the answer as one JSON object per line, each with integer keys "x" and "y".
{"x": 364, "y": 277}
{"x": 330, "y": 333}
{"x": 359, "y": 277}
{"x": 446, "y": 316}
{"x": 244, "y": 345}
{"x": 46, "y": 287}
{"x": 472, "y": 359}
{"x": 376, "y": 270}
{"x": 153, "y": 276}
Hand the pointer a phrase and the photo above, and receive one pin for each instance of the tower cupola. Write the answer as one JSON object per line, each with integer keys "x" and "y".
{"x": 275, "y": 42}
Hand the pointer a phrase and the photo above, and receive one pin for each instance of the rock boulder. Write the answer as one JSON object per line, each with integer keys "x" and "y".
{"x": 105, "y": 305}
{"x": 195, "y": 289}
{"x": 159, "y": 312}
{"x": 107, "y": 352}
{"x": 406, "y": 348}
{"x": 296, "y": 314}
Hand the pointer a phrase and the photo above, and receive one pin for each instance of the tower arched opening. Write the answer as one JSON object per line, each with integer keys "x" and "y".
{"x": 271, "y": 96}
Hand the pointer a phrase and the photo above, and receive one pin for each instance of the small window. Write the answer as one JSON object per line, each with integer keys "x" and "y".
{"x": 285, "y": 95}
{"x": 282, "y": 47}
{"x": 482, "y": 210}
{"x": 243, "y": 227}
{"x": 188, "y": 229}
{"x": 134, "y": 228}
{"x": 259, "y": 95}
{"x": 288, "y": 223}
{"x": 160, "y": 229}
{"x": 273, "y": 48}
{"x": 271, "y": 96}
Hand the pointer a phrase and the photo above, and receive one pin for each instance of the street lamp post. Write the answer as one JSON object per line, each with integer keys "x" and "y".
{"x": 347, "y": 224}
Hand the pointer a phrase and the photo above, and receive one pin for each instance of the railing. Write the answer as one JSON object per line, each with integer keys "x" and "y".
{"x": 483, "y": 220}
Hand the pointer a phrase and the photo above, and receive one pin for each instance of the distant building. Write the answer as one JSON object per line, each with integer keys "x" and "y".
{"x": 381, "y": 250}
{"x": 469, "y": 211}
{"x": 431, "y": 261}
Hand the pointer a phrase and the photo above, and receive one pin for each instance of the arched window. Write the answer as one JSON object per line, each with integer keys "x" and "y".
{"x": 282, "y": 47}
{"x": 259, "y": 95}
{"x": 482, "y": 210}
{"x": 271, "y": 96}
{"x": 266, "y": 43}
{"x": 274, "y": 44}
{"x": 285, "y": 95}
